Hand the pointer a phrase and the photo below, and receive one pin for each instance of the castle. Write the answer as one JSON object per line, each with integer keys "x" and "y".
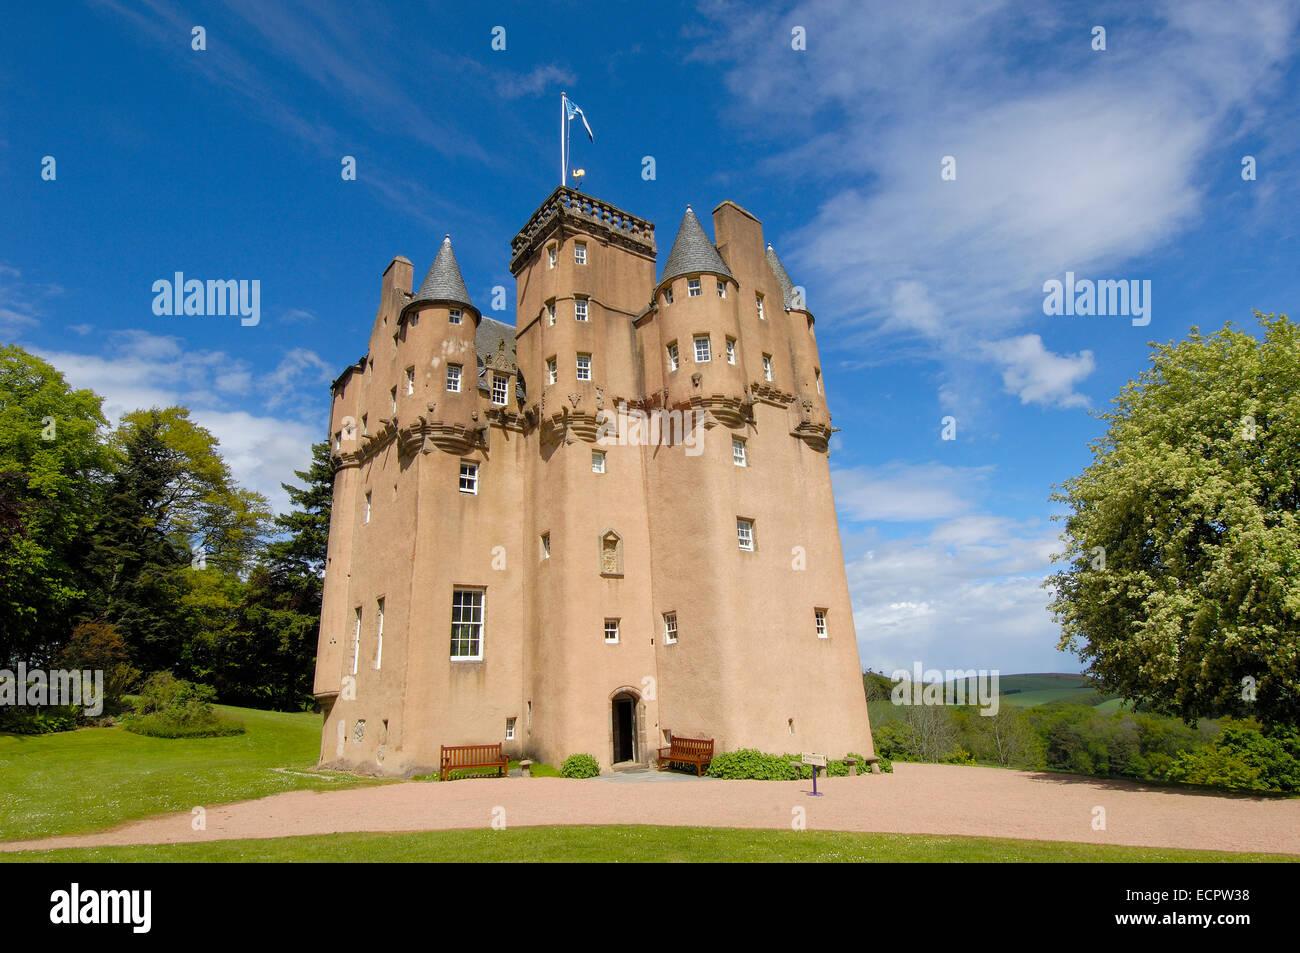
{"x": 607, "y": 525}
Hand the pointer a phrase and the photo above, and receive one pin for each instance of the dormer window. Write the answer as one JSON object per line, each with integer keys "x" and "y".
{"x": 499, "y": 386}
{"x": 579, "y": 253}
{"x": 453, "y": 317}
{"x": 693, "y": 288}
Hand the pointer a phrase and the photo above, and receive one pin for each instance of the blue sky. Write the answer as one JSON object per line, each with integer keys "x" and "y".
{"x": 1117, "y": 164}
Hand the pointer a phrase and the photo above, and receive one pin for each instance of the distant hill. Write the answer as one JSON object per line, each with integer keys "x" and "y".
{"x": 1035, "y": 689}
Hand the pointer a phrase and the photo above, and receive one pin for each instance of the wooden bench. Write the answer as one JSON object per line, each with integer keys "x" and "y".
{"x": 696, "y": 751}
{"x": 466, "y": 757}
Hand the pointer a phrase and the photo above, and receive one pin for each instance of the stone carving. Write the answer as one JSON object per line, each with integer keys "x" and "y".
{"x": 611, "y": 554}
{"x": 573, "y": 399}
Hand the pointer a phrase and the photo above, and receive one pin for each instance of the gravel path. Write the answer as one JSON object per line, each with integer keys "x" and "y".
{"x": 916, "y": 799}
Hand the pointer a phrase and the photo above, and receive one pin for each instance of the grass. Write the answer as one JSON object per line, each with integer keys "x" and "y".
{"x": 76, "y": 781}
{"x": 633, "y": 844}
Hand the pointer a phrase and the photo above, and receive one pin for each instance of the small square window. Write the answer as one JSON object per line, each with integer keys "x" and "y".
{"x": 469, "y": 477}
{"x": 453, "y": 378}
{"x": 819, "y": 615}
{"x": 410, "y": 381}
{"x": 510, "y": 729}
{"x": 702, "y": 351}
{"x": 552, "y": 371}
{"x": 500, "y": 387}
{"x": 693, "y": 288}
{"x": 731, "y": 350}
{"x": 767, "y": 367}
{"x": 579, "y": 253}
{"x": 584, "y": 367}
{"x": 598, "y": 461}
{"x": 453, "y": 317}
{"x": 670, "y": 628}
{"x": 722, "y": 288}
{"x": 738, "y": 456}
{"x": 745, "y": 534}
{"x": 550, "y": 255}
{"x": 673, "y": 359}
{"x": 611, "y": 630}
{"x": 580, "y": 309}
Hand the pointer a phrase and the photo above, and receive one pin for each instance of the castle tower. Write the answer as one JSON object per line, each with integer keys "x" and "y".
{"x": 606, "y": 523}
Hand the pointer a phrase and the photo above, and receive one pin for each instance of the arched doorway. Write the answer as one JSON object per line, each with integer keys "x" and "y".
{"x": 624, "y": 731}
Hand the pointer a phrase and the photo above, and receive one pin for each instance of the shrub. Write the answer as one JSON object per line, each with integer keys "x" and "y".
{"x": 1243, "y": 757}
{"x": 748, "y": 764}
{"x": 38, "y": 719}
{"x": 169, "y": 707}
{"x": 580, "y": 766}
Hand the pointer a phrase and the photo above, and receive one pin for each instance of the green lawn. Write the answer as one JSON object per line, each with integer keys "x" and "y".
{"x": 630, "y": 844}
{"x": 76, "y": 781}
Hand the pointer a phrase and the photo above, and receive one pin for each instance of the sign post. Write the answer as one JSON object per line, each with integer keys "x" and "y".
{"x": 817, "y": 761}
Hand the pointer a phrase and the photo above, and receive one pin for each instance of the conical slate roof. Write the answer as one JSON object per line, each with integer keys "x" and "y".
{"x": 444, "y": 282}
{"x": 782, "y": 276}
{"x": 693, "y": 252}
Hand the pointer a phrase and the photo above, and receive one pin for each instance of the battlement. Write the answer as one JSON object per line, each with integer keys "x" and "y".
{"x": 586, "y": 213}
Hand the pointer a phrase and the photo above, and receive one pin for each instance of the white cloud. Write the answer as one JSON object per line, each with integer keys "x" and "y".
{"x": 139, "y": 370}
{"x": 902, "y": 492}
{"x": 1037, "y": 375}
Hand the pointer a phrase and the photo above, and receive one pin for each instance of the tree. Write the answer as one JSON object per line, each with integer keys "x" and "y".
{"x": 53, "y": 461}
{"x": 1181, "y": 589}
{"x": 171, "y": 509}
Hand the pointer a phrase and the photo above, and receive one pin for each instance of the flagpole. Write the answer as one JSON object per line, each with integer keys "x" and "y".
{"x": 564, "y": 167}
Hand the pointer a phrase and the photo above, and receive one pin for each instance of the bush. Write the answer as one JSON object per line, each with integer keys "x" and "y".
{"x": 38, "y": 719}
{"x": 580, "y": 766}
{"x": 169, "y": 707}
{"x": 1243, "y": 757}
{"x": 748, "y": 764}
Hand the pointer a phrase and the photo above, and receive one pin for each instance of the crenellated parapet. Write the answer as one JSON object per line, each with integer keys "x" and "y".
{"x": 583, "y": 212}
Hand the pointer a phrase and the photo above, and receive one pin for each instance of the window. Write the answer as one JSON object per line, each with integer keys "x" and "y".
{"x": 670, "y": 628}
{"x": 510, "y": 722}
{"x": 414, "y": 319}
{"x": 356, "y": 641}
{"x": 499, "y": 385}
{"x": 702, "y": 354}
{"x": 467, "y": 624}
{"x": 819, "y": 615}
{"x": 365, "y": 424}
{"x": 584, "y": 367}
{"x": 550, "y": 312}
{"x": 453, "y": 378}
{"x": 392, "y": 393}
{"x": 410, "y": 381}
{"x": 668, "y": 296}
{"x": 758, "y": 303}
{"x": 338, "y": 440}
{"x": 731, "y": 350}
{"x": 468, "y": 477}
{"x": 745, "y": 534}
{"x": 379, "y": 636}
{"x": 722, "y": 288}
{"x": 552, "y": 371}
{"x": 453, "y": 316}
{"x": 367, "y": 506}
{"x": 580, "y": 309}
{"x": 818, "y": 371}
{"x": 693, "y": 288}
{"x": 767, "y": 367}
{"x": 546, "y": 545}
{"x": 598, "y": 461}
{"x": 550, "y": 255}
{"x": 738, "y": 456}
{"x": 611, "y": 630}
{"x": 673, "y": 360}
{"x": 579, "y": 253}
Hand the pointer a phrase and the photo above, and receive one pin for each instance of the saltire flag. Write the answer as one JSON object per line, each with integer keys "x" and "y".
{"x": 574, "y": 109}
